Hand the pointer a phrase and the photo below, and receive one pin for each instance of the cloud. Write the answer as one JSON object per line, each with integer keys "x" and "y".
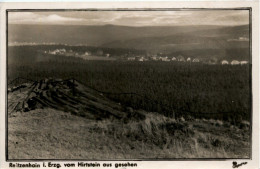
{"x": 57, "y": 18}
{"x": 30, "y": 18}
{"x": 134, "y": 18}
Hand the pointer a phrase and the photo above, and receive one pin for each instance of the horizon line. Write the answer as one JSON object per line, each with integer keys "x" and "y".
{"x": 125, "y": 25}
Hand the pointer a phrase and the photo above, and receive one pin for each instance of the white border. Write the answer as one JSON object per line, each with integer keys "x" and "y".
{"x": 220, "y": 164}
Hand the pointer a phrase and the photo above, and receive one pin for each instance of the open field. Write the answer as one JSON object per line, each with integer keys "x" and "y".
{"x": 52, "y": 134}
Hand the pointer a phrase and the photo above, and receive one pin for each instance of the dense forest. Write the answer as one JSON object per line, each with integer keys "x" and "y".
{"x": 173, "y": 89}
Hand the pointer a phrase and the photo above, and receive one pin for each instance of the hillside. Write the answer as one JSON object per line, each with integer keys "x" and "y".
{"x": 96, "y": 35}
{"x": 220, "y": 38}
{"x": 89, "y": 126}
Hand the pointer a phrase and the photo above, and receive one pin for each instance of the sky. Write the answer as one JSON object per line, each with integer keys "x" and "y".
{"x": 133, "y": 18}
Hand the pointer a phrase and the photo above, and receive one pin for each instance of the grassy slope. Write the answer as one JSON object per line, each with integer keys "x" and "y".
{"x": 52, "y": 134}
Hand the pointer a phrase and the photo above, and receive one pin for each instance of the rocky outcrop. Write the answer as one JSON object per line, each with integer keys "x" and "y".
{"x": 65, "y": 95}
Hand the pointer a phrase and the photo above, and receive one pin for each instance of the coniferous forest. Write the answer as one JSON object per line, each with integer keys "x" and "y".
{"x": 170, "y": 88}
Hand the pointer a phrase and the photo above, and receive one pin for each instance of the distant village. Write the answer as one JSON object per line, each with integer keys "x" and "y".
{"x": 143, "y": 58}
{"x": 128, "y": 56}
{"x": 83, "y": 55}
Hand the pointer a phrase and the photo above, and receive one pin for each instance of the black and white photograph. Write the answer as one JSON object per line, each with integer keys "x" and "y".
{"x": 129, "y": 84}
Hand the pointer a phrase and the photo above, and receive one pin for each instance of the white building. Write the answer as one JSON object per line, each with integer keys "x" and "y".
{"x": 141, "y": 59}
{"x": 56, "y": 51}
{"x": 195, "y": 60}
{"x": 235, "y": 62}
{"x": 87, "y": 54}
{"x": 146, "y": 59}
{"x": 244, "y": 62}
{"x": 154, "y": 58}
{"x": 188, "y": 59}
{"x": 62, "y": 50}
{"x": 180, "y": 58}
{"x": 131, "y": 58}
{"x": 243, "y": 39}
{"x": 165, "y": 59}
{"x": 174, "y": 59}
{"x": 224, "y": 62}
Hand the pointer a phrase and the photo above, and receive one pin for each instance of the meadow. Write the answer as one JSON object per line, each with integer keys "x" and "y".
{"x": 66, "y": 136}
